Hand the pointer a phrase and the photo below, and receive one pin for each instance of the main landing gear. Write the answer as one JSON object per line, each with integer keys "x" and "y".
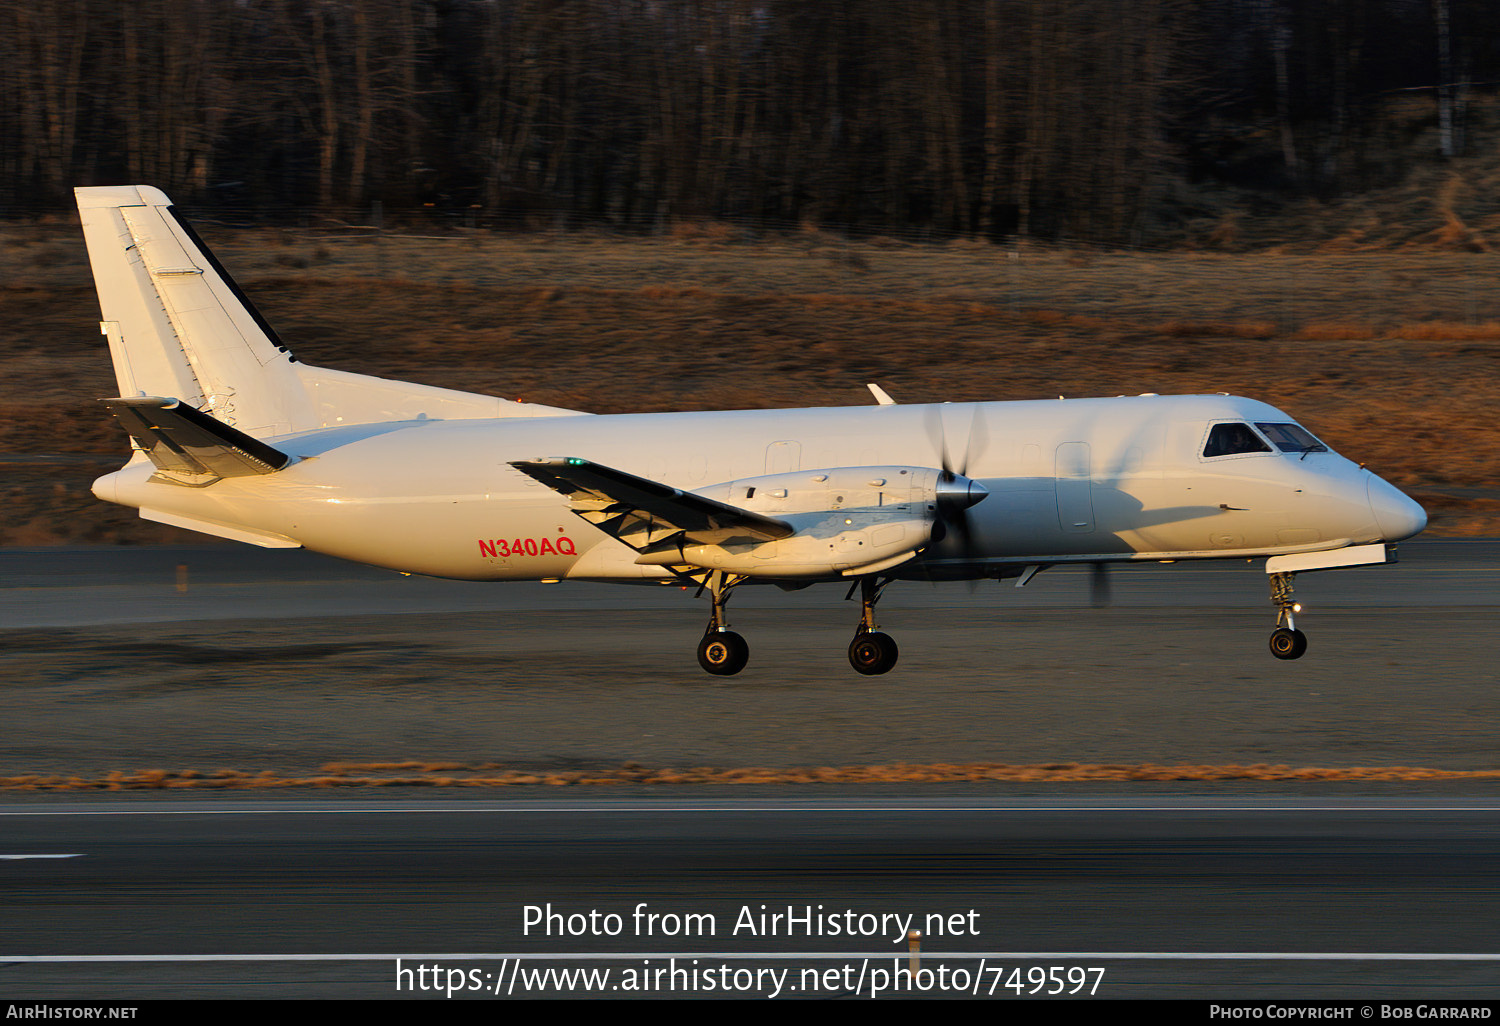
{"x": 1287, "y": 642}
{"x": 722, "y": 652}
{"x": 871, "y": 652}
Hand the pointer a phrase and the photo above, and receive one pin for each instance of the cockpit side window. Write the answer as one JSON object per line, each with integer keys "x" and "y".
{"x": 1292, "y": 438}
{"x": 1233, "y": 440}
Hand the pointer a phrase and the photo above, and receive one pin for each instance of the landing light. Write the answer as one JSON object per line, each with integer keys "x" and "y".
{"x": 1296, "y": 607}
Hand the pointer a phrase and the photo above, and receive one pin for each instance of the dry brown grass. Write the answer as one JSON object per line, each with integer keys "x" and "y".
{"x": 1334, "y": 331}
{"x": 1215, "y": 329}
{"x": 1385, "y": 355}
{"x": 492, "y": 775}
{"x": 1427, "y": 331}
{"x": 1447, "y": 331}
{"x": 706, "y": 232}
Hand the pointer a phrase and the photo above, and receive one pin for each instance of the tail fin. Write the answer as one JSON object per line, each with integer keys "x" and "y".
{"x": 179, "y": 327}
{"x": 177, "y": 324}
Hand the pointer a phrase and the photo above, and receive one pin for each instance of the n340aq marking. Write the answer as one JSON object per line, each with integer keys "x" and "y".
{"x": 500, "y": 547}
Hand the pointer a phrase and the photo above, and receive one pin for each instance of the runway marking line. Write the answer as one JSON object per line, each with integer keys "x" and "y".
{"x": 16, "y": 858}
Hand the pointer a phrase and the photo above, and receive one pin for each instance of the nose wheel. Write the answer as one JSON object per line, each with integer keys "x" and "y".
{"x": 1287, "y": 642}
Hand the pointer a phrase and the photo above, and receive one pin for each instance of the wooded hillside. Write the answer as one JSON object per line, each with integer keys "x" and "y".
{"x": 1088, "y": 120}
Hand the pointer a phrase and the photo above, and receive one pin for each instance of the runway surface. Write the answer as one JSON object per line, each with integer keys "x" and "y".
{"x": 283, "y": 663}
{"x": 1349, "y": 899}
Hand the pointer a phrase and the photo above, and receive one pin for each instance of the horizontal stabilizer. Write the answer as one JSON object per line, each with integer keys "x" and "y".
{"x": 188, "y": 445}
{"x": 645, "y": 513}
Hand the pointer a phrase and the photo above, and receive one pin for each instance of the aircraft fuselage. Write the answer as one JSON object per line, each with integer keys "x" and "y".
{"x": 1068, "y": 480}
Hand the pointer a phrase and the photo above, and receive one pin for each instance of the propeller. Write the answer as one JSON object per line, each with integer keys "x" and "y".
{"x": 1099, "y": 592}
{"x": 956, "y": 493}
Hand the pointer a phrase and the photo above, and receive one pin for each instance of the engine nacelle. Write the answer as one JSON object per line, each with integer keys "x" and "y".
{"x": 846, "y": 520}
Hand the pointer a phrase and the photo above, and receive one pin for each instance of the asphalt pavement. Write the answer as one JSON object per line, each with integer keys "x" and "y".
{"x": 289, "y": 666}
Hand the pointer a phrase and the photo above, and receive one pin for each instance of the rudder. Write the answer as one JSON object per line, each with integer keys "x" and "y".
{"x": 177, "y": 324}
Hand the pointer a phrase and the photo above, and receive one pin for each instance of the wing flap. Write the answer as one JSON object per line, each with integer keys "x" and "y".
{"x": 647, "y": 514}
{"x": 188, "y": 445}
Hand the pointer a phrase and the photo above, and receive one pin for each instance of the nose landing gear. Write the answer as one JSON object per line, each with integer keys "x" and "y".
{"x": 1287, "y": 642}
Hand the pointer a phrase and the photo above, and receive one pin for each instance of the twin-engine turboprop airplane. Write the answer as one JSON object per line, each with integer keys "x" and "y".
{"x": 233, "y": 437}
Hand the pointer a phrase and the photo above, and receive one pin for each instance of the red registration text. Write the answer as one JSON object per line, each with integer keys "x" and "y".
{"x": 500, "y": 547}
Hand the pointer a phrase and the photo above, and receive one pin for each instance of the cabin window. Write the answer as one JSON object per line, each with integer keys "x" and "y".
{"x": 1292, "y": 438}
{"x": 1233, "y": 440}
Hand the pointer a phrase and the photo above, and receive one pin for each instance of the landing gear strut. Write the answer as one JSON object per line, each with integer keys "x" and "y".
{"x": 871, "y": 652}
{"x": 722, "y": 652}
{"x": 1287, "y": 642}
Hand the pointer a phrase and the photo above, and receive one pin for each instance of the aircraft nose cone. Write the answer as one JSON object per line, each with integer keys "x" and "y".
{"x": 1398, "y": 516}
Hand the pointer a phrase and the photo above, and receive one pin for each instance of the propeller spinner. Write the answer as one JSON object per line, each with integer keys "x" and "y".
{"x": 956, "y": 493}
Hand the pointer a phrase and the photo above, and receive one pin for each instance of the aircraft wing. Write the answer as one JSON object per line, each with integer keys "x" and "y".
{"x": 188, "y": 445}
{"x": 644, "y": 514}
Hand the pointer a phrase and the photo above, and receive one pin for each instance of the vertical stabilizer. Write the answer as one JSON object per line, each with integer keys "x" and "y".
{"x": 177, "y": 324}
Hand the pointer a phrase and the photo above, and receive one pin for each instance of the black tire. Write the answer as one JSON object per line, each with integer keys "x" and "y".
{"x": 723, "y": 653}
{"x": 1287, "y": 643}
{"x": 872, "y": 653}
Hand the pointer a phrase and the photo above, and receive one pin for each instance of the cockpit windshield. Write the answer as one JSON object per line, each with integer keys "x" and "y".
{"x": 1233, "y": 440}
{"x": 1292, "y": 438}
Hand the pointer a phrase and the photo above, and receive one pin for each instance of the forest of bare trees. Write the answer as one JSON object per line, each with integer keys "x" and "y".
{"x": 1046, "y": 118}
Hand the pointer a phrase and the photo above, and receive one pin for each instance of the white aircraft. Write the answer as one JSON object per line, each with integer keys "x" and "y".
{"x": 233, "y": 437}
